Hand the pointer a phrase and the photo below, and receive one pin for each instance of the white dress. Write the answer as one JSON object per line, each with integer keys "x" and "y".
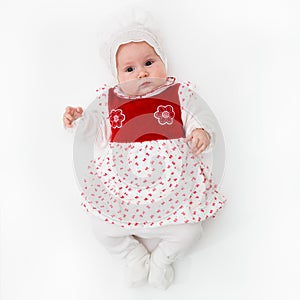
{"x": 150, "y": 183}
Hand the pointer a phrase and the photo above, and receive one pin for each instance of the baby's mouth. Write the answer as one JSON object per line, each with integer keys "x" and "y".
{"x": 145, "y": 84}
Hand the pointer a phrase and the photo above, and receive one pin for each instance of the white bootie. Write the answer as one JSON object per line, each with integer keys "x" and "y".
{"x": 137, "y": 263}
{"x": 161, "y": 273}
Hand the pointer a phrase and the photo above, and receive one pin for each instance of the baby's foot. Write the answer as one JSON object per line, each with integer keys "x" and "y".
{"x": 138, "y": 261}
{"x": 161, "y": 273}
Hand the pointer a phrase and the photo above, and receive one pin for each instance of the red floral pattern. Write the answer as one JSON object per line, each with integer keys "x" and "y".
{"x": 150, "y": 184}
{"x": 165, "y": 114}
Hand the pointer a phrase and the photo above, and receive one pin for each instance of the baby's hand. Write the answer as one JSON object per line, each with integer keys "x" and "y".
{"x": 71, "y": 114}
{"x": 200, "y": 140}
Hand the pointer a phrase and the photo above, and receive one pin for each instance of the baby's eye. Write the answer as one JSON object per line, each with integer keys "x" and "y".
{"x": 129, "y": 69}
{"x": 149, "y": 63}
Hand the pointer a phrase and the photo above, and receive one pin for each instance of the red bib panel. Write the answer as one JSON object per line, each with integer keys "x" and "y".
{"x": 145, "y": 119}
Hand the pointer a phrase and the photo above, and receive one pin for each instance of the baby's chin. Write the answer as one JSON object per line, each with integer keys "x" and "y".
{"x": 141, "y": 86}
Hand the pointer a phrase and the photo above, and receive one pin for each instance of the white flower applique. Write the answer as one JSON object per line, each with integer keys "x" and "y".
{"x": 165, "y": 114}
{"x": 116, "y": 118}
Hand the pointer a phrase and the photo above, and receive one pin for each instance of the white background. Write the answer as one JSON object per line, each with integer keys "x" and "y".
{"x": 244, "y": 58}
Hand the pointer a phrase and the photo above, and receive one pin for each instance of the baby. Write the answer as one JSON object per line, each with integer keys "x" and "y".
{"x": 148, "y": 179}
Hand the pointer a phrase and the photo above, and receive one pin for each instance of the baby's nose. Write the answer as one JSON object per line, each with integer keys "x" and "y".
{"x": 143, "y": 73}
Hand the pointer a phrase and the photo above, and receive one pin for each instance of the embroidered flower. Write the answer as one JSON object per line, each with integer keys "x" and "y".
{"x": 116, "y": 118}
{"x": 164, "y": 114}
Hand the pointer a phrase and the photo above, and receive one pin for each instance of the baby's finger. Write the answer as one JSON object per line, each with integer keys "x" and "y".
{"x": 67, "y": 123}
{"x": 68, "y": 117}
{"x": 197, "y": 142}
{"x": 188, "y": 138}
{"x": 201, "y": 149}
{"x": 79, "y": 110}
{"x": 194, "y": 147}
{"x": 69, "y": 109}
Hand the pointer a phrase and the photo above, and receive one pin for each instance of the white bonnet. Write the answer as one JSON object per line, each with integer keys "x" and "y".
{"x": 138, "y": 27}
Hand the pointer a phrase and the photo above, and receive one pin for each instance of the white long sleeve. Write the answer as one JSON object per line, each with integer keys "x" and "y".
{"x": 93, "y": 126}
{"x": 195, "y": 113}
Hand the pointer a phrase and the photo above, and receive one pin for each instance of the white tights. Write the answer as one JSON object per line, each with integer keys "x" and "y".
{"x": 174, "y": 240}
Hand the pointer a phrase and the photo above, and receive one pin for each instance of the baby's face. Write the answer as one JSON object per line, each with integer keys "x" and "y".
{"x": 137, "y": 62}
